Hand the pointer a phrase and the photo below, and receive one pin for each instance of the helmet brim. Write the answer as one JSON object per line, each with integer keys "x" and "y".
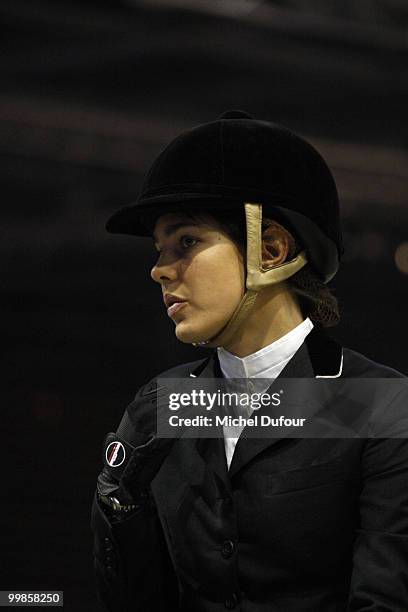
{"x": 138, "y": 219}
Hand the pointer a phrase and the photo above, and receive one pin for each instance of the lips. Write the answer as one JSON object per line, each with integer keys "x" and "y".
{"x": 170, "y": 299}
{"x": 175, "y": 308}
{"x": 173, "y": 303}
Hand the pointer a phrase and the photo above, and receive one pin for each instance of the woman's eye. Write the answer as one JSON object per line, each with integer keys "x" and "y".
{"x": 188, "y": 241}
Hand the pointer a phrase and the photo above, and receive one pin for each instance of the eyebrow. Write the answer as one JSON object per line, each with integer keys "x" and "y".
{"x": 173, "y": 227}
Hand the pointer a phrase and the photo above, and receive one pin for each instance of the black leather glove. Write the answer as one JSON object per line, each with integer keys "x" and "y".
{"x": 128, "y": 471}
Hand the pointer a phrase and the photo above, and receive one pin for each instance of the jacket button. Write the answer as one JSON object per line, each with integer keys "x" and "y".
{"x": 110, "y": 560}
{"x": 227, "y": 549}
{"x": 108, "y": 544}
{"x": 110, "y": 573}
{"x": 231, "y": 602}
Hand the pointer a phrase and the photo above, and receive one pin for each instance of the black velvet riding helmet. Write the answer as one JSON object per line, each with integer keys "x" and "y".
{"x": 237, "y": 159}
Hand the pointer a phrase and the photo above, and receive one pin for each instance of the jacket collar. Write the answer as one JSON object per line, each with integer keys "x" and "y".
{"x": 319, "y": 356}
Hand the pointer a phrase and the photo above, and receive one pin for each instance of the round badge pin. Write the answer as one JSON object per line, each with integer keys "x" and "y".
{"x": 115, "y": 454}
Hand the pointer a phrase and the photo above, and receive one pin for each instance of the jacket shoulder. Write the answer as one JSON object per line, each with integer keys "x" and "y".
{"x": 141, "y": 413}
{"x": 183, "y": 370}
{"x": 356, "y": 365}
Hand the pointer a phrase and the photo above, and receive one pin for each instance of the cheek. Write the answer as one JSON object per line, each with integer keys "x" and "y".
{"x": 218, "y": 275}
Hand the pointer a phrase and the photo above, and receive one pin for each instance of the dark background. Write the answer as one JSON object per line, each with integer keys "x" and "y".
{"x": 90, "y": 93}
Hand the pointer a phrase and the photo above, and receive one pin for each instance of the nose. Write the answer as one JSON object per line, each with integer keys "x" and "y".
{"x": 162, "y": 272}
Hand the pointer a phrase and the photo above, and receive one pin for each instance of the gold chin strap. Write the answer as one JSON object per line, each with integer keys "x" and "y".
{"x": 257, "y": 277}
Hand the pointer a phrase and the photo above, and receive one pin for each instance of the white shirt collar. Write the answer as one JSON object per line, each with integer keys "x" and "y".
{"x": 269, "y": 361}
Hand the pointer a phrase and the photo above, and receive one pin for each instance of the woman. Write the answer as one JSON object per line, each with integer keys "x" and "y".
{"x": 244, "y": 215}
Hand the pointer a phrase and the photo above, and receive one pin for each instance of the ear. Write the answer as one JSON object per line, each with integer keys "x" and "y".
{"x": 276, "y": 245}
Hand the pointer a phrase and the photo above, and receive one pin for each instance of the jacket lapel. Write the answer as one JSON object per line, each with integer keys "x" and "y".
{"x": 194, "y": 463}
{"x": 212, "y": 450}
{"x": 319, "y": 355}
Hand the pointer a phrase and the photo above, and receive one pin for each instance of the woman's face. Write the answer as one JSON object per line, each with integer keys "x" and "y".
{"x": 201, "y": 270}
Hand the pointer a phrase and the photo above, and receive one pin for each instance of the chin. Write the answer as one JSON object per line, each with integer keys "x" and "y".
{"x": 188, "y": 333}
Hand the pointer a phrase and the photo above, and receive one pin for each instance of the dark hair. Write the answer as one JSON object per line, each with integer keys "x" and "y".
{"x": 315, "y": 299}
